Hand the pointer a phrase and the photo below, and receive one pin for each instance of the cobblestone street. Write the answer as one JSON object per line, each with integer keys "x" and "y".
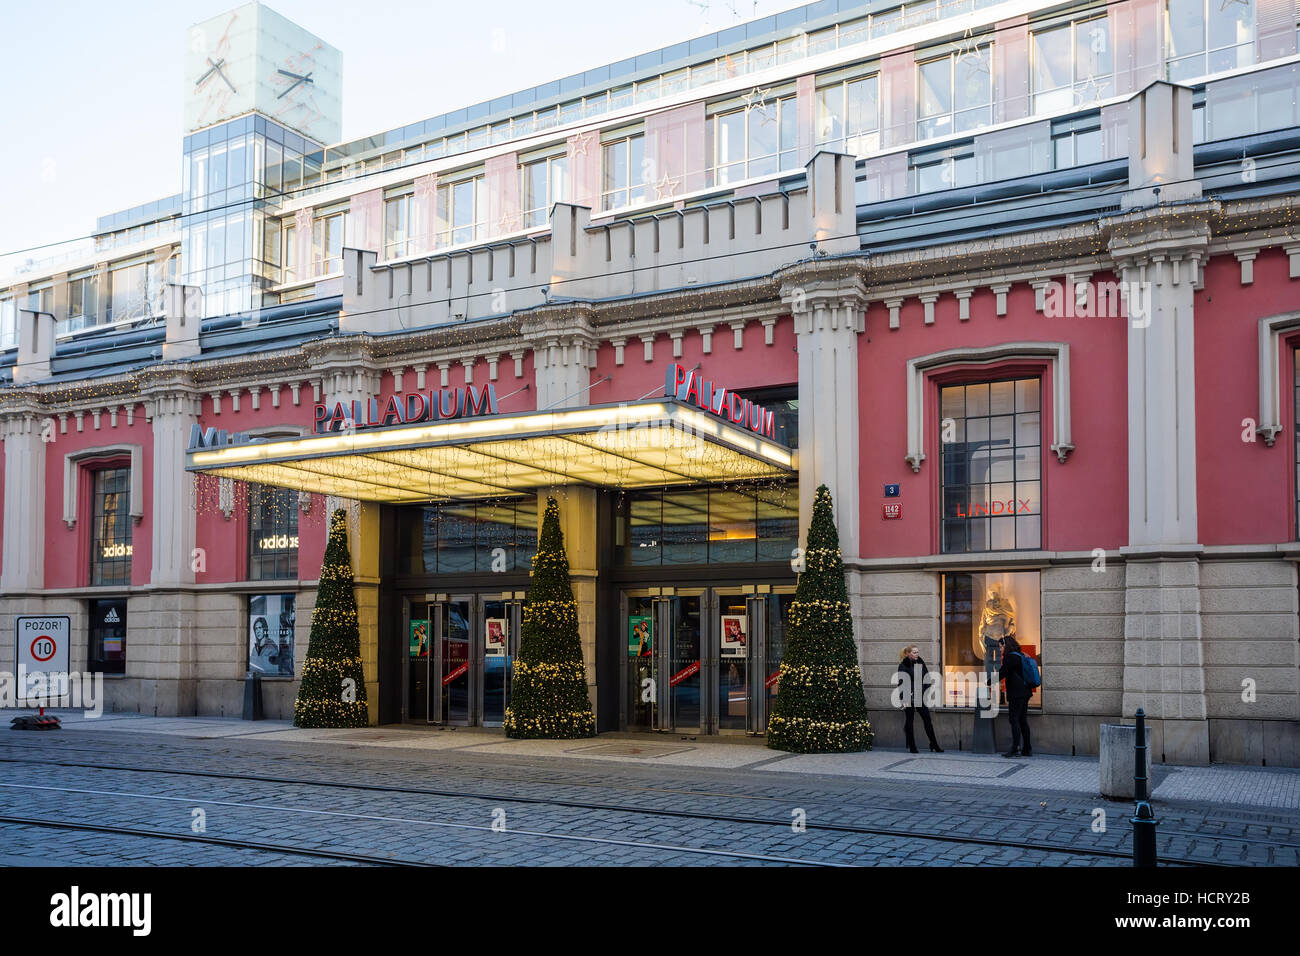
{"x": 220, "y": 792}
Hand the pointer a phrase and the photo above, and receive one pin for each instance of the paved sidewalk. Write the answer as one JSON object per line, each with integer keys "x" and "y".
{"x": 1277, "y": 788}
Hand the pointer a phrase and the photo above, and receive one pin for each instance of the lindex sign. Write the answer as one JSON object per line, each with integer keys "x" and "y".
{"x": 688, "y": 385}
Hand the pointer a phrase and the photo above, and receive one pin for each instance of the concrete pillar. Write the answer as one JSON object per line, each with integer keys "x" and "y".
{"x": 578, "y": 525}
{"x": 363, "y": 541}
{"x": 564, "y": 349}
{"x": 1158, "y": 251}
{"x": 35, "y": 346}
{"x": 832, "y": 203}
{"x": 827, "y": 318}
{"x": 362, "y": 309}
{"x": 569, "y": 250}
{"x": 174, "y": 508}
{"x": 24, "y": 502}
{"x": 184, "y": 307}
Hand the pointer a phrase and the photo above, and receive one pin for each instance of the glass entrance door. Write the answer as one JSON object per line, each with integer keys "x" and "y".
{"x": 460, "y": 658}
{"x": 706, "y": 661}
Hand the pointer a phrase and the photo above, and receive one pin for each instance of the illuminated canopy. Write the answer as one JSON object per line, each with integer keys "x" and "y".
{"x": 634, "y": 445}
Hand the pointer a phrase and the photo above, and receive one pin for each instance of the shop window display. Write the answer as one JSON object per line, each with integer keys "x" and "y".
{"x": 978, "y": 610}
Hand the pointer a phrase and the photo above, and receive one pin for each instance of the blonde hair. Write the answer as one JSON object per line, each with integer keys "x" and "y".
{"x": 907, "y": 647}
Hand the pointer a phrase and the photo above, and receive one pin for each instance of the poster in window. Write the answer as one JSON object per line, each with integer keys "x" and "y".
{"x": 419, "y": 638}
{"x": 640, "y": 632}
{"x": 270, "y": 634}
{"x": 495, "y": 645}
{"x": 733, "y": 635}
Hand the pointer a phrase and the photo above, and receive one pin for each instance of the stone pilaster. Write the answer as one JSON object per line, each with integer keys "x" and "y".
{"x": 828, "y": 315}
{"x": 174, "y": 507}
{"x": 24, "y": 499}
{"x": 564, "y": 351}
{"x": 1158, "y": 250}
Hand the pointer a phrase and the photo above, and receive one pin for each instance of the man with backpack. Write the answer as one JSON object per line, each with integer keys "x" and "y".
{"x": 1021, "y": 674}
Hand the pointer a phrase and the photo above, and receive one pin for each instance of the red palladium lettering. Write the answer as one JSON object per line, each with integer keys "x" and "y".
{"x": 686, "y": 385}
{"x": 414, "y": 408}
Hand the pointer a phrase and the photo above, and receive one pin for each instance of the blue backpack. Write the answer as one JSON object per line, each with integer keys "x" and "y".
{"x": 1029, "y": 672}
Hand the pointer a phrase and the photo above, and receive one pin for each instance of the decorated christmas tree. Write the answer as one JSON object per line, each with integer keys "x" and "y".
{"x": 820, "y": 707}
{"x": 548, "y": 696}
{"x": 333, "y": 688}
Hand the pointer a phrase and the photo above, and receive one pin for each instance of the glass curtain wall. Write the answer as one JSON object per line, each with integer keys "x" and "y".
{"x": 233, "y": 175}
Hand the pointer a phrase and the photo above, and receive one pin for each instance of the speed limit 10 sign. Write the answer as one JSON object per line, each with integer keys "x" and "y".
{"x": 43, "y": 643}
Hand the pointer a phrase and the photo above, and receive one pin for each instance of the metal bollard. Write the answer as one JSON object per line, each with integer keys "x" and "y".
{"x": 1144, "y": 818}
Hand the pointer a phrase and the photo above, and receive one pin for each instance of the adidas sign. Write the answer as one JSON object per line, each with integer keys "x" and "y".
{"x": 111, "y": 617}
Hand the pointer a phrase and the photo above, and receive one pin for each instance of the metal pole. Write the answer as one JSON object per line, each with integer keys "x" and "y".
{"x": 1144, "y": 818}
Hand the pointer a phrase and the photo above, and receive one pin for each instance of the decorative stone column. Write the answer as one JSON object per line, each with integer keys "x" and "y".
{"x": 828, "y": 315}
{"x": 578, "y": 525}
{"x": 165, "y": 622}
{"x": 23, "y": 569}
{"x": 1158, "y": 251}
{"x": 564, "y": 350}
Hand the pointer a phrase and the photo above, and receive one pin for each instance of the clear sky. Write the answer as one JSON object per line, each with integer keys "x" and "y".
{"x": 93, "y": 90}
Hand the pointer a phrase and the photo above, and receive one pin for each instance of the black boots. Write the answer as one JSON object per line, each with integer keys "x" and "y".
{"x": 935, "y": 748}
{"x": 1013, "y": 752}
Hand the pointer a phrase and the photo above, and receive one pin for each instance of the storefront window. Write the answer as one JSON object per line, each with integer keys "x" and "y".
{"x": 979, "y": 608}
{"x": 990, "y": 449}
{"x": 111, "y": 548}
{"x": 272, "y": 533}
{"x": 467, "y": 537}
{"x": 107, "y": 651}
{"x": 270, "y": 634}
{"x": 736, "y": 525}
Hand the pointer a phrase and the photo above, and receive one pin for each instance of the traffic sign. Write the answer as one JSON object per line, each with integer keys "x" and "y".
{"x": 43, "y": 645}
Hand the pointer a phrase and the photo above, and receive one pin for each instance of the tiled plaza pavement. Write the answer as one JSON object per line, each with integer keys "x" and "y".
{"x": 1218, "y": 814}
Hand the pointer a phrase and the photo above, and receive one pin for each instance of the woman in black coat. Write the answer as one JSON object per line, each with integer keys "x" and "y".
{"x": 1017, "y": 696}
{"x": 913, "y": 687}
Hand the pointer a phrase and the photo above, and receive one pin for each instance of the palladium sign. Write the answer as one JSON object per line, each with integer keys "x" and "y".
{"x": 688, "y": 386}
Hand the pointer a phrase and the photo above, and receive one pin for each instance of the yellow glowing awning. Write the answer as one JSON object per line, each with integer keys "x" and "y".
{"x": 634, "y": 445}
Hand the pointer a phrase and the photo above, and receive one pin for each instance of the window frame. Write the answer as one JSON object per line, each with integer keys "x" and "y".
{"x": 1206, "y": 52}
{"x": 102, "y": 566}
{"x": 537, "y": 217}
{"x": 261, "y": 499}
{"x": 990, "y": 377}
{"x": 405, "y": 245}
{"x": 750, "y": 166}
{"x": 952, "y": 57}
{"x": 322, "y": 238}
{"x": 1105, "y": 80}
{"x": 841, "y": 143}
{"x": 449, "y": 233}
{"x": 634, "y": 192}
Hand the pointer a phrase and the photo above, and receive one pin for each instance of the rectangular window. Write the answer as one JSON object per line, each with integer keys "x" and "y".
{"x": 83, "y": 303}
{"x": 1208, "y": 36}
{"x": 128, "y": 293}
{"x": 708, "y": 525}
{"x": 624, "y": 168}
{"x": 398, "y": 241}
{"x": 327, "y": 243}
{"x": 542, "y": 186}
{"x": 8, "y": 323}
{"x": 107, "y": 651}
{"x": 270, "y": 634}
{"x": 40, "y": 300}
{"x": 1076, "y": 143}
{"x": 290, "y": 254}
{"x": 1071, "y": 65}
{"x": 759, "y": 140}
{"x": 272, "y": 533}
{"x": 110, "y": 546}
{"x": 990, "y": 451}
{"x": 978, "y": 610}
{"x": 955, "y": 92}
{"x": 462, "y": 211}
{"x": 462, "y": 538}
{"x": 948, "y": 169}
{"x": 848, "y": 116}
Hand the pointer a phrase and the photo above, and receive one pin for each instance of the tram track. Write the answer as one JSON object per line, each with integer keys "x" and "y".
{"x": 911, "y": 834}
{"x": 726, "y": 795}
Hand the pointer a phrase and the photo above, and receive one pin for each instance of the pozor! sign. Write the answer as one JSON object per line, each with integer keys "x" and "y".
{"x": 687, "y": 385}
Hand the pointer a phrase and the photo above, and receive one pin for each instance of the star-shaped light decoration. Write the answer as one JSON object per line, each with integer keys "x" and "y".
{"x": 756, "y": 98}
{"x": 666, "y": 187}
{"x": 1224, "y": 4}
{"x": 505, "y": 223}
{"x": 970, "y": 52}
{"x": 581, "y": 143}
{"x": 1089, "y": 91}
